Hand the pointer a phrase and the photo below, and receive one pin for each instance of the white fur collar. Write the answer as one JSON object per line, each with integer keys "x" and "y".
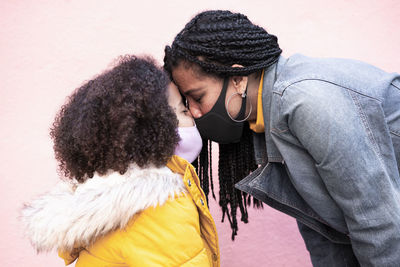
{"x": 66, "y": 217}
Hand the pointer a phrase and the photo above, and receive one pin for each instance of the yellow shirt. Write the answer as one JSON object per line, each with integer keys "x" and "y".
{"x": 258, "y": 126}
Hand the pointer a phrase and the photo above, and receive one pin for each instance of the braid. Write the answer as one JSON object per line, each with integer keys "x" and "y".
{"x": 221, "y": 39}
{"x": 236, "y": 161}
{"x": 204, "y": 169}
{"x": 210, "y": 165}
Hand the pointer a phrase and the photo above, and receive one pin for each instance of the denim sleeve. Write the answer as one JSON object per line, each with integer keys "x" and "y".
{"x": 347, "y": 136}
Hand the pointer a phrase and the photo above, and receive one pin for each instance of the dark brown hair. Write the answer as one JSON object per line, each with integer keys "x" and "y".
{"x": 118, "y": 118}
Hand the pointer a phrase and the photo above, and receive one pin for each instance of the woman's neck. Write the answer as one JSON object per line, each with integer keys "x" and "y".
{"x": 252, "y": 95}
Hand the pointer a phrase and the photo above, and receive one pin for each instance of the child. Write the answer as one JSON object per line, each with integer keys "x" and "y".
{"x": 126, "y": 200}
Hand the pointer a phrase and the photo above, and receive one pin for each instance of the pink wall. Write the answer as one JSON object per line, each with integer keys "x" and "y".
{"x": 48, "y": 48}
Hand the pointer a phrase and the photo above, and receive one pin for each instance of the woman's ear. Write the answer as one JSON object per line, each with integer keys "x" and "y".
{"x": 239, "y": 82}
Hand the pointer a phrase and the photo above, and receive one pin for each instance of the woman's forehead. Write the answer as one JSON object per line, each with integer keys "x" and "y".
{"x": 191, "y": 77}
{"x": 183, "y": 72}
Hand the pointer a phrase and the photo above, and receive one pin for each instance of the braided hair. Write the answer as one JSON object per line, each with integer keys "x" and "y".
{"x": 211, "y": 43}
{"x": 215, "y": 40}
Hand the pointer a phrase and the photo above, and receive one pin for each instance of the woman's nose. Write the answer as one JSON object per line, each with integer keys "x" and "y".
{"x": 195, "y": 111}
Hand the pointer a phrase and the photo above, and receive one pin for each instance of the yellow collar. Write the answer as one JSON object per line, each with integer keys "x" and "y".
{"x": 178, "y": 164}
{"x": 258, "y": 126}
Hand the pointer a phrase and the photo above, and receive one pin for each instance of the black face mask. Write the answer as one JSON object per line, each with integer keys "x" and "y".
{"x": 217, "y": 126}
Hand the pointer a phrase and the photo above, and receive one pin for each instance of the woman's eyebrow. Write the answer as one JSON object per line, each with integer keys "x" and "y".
{"x": 192, "y": 91}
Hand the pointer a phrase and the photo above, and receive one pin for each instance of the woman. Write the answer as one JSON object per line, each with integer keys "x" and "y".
{"x": 326, "y": 135}
{"x": 125, "y": 200}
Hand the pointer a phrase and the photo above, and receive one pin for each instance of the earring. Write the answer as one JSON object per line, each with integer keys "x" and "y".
{"x": 227, "y": 104}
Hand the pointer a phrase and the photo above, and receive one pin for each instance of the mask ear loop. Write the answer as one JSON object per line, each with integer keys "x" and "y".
{"x": 243, "y": 99}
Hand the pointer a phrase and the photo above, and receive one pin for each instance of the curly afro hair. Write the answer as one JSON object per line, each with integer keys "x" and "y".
{"x": 120, "y": 117}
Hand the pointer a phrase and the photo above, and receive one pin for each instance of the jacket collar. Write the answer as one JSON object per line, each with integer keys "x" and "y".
{"x": 270, "y": 76}
{"x": 74, "y": 215}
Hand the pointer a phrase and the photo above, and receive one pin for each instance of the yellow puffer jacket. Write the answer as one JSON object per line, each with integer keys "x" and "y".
{"x": 146, "y": 217}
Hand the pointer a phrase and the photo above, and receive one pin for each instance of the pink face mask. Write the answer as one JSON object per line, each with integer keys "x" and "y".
{"x": 190, "y": 145}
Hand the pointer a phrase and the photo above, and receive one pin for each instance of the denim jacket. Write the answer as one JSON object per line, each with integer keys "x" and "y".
{"x": 330, "y": 155}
